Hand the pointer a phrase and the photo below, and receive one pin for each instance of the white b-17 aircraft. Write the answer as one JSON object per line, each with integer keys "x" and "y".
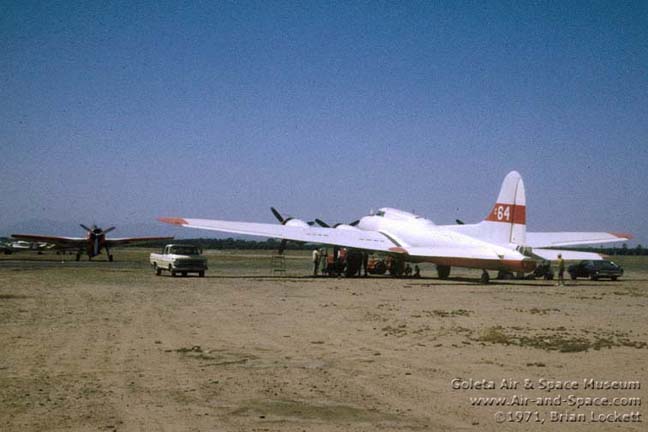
{"x": 500, "y": 242}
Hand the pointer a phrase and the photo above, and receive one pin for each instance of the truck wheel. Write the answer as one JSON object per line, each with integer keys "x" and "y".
{"x": 158, "y": 270}
{"x": 573, "y": 276}
{"x": 201, "y": 274}
{"x": 173, "y": 273}
{"x": 594, "y": 277}
{"x": 614, "y": 278}
{"x": 184, "y": 274}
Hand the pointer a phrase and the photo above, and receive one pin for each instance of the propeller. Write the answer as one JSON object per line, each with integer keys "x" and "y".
{"x": 282, "y": 221}
{"x": 95, "y": 230}
{"x": 278, "y": 216}
{"x": 321, "y": 223}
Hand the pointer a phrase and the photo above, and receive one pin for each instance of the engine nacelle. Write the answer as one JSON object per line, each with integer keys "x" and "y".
{"x": 296, "y": 223}
{"x": 346, "y": 227}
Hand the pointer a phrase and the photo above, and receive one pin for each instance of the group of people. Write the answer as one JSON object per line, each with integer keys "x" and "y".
{"x": 339, "y": 262}
{"x": 358, "y": 263}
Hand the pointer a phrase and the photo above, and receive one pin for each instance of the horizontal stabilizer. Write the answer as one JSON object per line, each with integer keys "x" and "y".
{"x": 555, "y": 239}
{"x": 552, "y": 255}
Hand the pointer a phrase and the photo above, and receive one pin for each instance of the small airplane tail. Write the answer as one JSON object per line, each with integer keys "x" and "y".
{"x": 506, "y": 222}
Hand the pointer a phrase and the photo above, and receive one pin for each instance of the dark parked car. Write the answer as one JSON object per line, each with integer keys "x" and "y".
{"x": 595, "y": 270}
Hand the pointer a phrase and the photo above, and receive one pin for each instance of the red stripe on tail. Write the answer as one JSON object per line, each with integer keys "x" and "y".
{"x": 508, "y": 213}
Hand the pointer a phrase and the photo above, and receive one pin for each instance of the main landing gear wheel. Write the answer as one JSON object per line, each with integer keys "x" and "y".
{"x": 485, "y": 278}
{"x": 443, "y": 271}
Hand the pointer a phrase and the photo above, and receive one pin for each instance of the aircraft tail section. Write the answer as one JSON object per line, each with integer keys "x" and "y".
{"x": 506, "y": 222}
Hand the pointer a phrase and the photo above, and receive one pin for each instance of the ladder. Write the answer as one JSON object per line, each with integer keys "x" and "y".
{"x": 278, "y": 264}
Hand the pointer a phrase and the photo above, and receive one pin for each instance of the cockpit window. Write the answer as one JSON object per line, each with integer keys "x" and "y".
{"x": 380, "y": 213}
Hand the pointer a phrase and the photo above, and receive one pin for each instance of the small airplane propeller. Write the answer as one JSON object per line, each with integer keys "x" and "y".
{"x": 95, "y": 230}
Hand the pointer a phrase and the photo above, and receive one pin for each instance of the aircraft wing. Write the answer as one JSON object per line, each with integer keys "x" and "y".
{"x": 369, "y": 240}
{"x": 552, "y": 255}
{"x": 554, "y": 239}
{"x": 355, "y": 238}
{"x": 63, "y": 242}
{"x": 128, "y": 240}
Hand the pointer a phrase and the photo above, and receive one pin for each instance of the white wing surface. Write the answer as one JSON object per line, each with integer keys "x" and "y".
{"x": 467, "y": 256}
{"x": 370, "y": 240}
{"x": 552, "y": 255}
{"x": 554, "y": 239}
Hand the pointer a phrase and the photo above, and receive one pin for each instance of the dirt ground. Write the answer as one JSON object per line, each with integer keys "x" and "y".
{"x": 110, "y": 346}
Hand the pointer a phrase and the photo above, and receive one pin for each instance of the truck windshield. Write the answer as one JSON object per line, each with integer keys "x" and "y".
{"x": 184, "y": 250}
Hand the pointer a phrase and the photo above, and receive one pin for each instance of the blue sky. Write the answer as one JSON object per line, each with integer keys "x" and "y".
{"x": 120, "y": 113}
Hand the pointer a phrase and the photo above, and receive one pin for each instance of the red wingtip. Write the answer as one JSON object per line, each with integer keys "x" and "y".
{"x": 173, "y": 221}
{"x": 398, "y": 250}
{"x": 623, "y": 235}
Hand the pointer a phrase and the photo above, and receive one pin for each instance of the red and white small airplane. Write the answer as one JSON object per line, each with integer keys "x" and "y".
{"x": 500, "y": 242}
{"x": 92, "y": 244}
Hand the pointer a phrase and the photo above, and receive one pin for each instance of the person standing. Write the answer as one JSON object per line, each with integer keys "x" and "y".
{"x": 561, "y": 270}
{"x": 316, "y": 261}
{"x": 365, "y": 262}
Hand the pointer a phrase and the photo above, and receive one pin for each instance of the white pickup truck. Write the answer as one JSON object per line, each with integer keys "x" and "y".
{"x": 177, "y": 258}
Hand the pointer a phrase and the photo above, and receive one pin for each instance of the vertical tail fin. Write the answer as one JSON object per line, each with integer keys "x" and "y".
{"x": 506, "y": 223}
